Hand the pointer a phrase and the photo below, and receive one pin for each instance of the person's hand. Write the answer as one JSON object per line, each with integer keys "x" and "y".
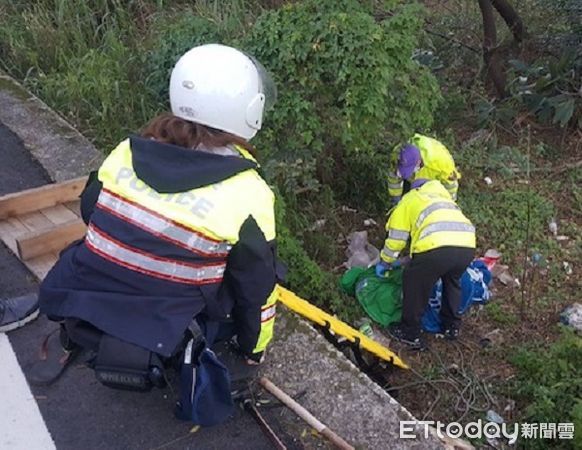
{"x": 381, "y": 268}
{"x": 255, "y": 359}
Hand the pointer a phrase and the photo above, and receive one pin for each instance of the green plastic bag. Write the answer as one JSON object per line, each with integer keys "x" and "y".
{"x": 381, "y": 298}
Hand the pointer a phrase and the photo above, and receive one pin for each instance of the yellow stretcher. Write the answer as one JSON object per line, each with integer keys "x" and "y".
{"x": 320, "y": 317}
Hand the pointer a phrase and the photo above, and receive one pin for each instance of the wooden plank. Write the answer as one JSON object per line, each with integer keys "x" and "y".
{"x": 10, "y": 229}
{"x": 59, "y": 214}
{"x": 41, "y": 265}
{"x": 74, "y": 206}
{"x": 38, "y": 198}
{"x": 35, "y": 221}
{"x": 52, "y": 240}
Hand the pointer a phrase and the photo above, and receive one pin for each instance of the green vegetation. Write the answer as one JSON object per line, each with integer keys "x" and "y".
{"x": 549, "y": 382}
{"x": 347, "y": 86}
{"x": 354, "y": 79}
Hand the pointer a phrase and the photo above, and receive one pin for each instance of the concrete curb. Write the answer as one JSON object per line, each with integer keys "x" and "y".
{"x": 335, "y": 391}
{"x": 60, "y": 149}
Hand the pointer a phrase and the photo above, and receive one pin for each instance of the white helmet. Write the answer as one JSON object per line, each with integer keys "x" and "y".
{"x": 222, "y": 88}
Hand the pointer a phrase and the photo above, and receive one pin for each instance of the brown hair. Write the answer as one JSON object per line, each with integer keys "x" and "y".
{"x": 170, "y": 129}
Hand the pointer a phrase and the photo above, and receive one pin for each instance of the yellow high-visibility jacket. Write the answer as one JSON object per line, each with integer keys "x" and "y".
{"x": 430, "y": 219}
{"x": 438, "y": 164}
{"x": 173, "y": 233}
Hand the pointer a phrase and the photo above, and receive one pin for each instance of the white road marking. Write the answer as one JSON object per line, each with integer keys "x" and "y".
{"x": 21, "y": 424}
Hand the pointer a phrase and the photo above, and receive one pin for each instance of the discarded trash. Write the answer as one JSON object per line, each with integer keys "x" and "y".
{"x": 506, "y": 278}
{"x": 348, "y": 209}
{"x": 370, "y": 222}
{"x": 509, "y": 407}
{"x": 488, "y": 181}
{"x": 499, "y": 271}
{"x": 492, "y": 338}
{"x": 567, "y": 267}
{"x": 572, "y": 316}
{"x": 492, "y": 416}
{"x": 491, "y": 258}
{"x": 317, "y": 225}
{"x": 553, "y": 227}
{"x": 366, "y": 328}
{"x": 561, "y": 237}
{"x": 536, "y": 258}
{"x": 360, "y": 252}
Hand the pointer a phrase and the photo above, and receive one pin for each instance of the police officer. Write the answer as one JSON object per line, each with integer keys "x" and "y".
{"x": 442, "y": 243}
{"x": 180, "y": 222}
{"x": 437, "y": 164}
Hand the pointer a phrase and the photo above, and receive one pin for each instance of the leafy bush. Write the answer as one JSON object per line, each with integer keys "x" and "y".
{"x": 550, "y": 90}
{"x": 547, "y": 89}
{"x": 549, "y": 382}
{"x": 175, "y": 36}
{"x": 347, "y": 82}
{"x": 305, "y": 277}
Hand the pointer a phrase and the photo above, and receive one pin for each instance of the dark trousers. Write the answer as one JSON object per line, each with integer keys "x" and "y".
{"x": 420, "y": 276}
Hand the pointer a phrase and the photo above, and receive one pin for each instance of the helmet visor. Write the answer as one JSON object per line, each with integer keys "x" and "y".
{"x": 267, "y": 85}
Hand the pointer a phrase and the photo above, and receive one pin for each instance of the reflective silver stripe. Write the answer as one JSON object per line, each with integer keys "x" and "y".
{"x": 395, "y": 185}
{"x": 446, "y": 226}
{"x": 160, "y": 226}
{"x": 432, "y": 208}
{"x": 146, "y": 263}
{"x": 399, "y": 235}
{"x": 268, "y": 313}
{"x": 390, "y": 253}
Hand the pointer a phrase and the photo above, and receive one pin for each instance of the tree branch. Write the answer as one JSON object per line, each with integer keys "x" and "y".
{"x": 448, "y": 38}
{"x": 492, "y": 63}
{"x": 511, "y": 18}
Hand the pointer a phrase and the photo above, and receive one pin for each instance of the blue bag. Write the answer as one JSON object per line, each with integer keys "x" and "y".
{"x": 205, "y": 394}
{"x": 474, "y": 289}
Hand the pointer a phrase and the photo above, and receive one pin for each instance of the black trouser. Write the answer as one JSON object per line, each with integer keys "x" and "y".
{"x": 420, "y": 276}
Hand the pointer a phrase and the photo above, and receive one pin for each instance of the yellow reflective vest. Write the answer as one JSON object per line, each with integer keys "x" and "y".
{"x": 204, "y": 220}
{"x": 429, "y": 218}
{"x": 438, "y": 164}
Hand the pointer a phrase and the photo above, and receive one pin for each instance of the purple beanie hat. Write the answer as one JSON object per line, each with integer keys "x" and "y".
{"x": 408, "y": 160}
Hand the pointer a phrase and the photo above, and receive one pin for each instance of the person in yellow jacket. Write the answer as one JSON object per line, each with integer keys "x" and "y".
{"x": 442, "y": 245}
{"x": 181, "y": 224}
{"x": 437, "y": 164}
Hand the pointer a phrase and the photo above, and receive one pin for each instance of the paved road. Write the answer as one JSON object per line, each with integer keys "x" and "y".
{"x": 78, "y": 411}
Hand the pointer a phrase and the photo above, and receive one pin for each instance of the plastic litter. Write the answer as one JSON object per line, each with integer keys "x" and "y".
{"x": 488, "y": 181}
{"x": 492, "y": 338}
{"x": 491, "y": 258}
{"x": 492, "y": 416}
{"x": 370, "y": 222}
{"x": 360, "y": 252}
{"x": 317, "y": 225}
{"x": 567, "y": 267}
{"x": 499, "y": 271}
{"x": 572, "y": 316}
{"x": 553, "y": 227}
{"x": 366, "y": 327}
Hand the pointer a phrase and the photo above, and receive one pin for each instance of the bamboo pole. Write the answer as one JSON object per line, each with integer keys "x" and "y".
{"x": 320, "y": 427}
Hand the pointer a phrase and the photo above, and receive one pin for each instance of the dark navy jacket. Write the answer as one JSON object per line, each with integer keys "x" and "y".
{"x": 151, "y": 312}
